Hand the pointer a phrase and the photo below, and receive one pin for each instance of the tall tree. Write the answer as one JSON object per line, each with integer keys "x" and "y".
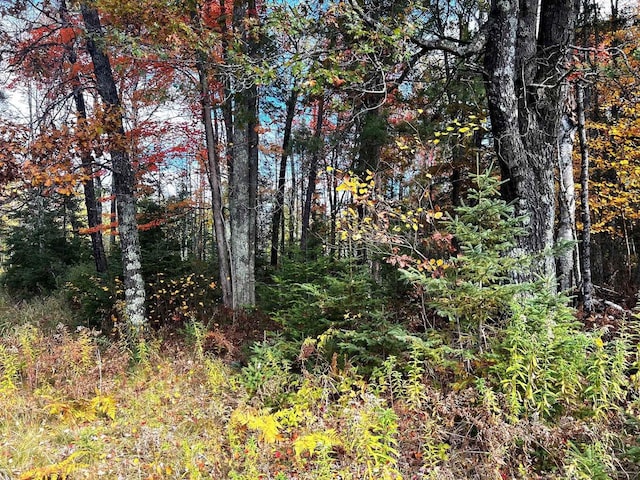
{"x": 213, "y": 155}
{"x": 243, "y": 182}
{"x": 94, "y": 212}
{"x": 317, "y": 150}
{"x": 122, "y": 169}
{"x": 525, "y": 67}
{"x": 277, "y": 221}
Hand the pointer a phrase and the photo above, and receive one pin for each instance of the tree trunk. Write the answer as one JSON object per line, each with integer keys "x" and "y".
{"x": 94, "y": 217}
{"x": 222, "y": 248}
{"x": 523, "y": 75}
{"x": 282, "y": 176}
{"x": 313, "y": 173}
{"x": 244, "y": 177}
{"x": 242, "y": 214}
{"x": 123, "y": 175}
{"x": 293, "y": 208}
{"x": 585, "y": 214}
{"x": 566, "y": 205}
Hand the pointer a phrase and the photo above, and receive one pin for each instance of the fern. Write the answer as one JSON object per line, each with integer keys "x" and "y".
{"x": 263, "y": 422}
{"x": 10, "y": 369}
{"x": 313, "y": 443}
{"x": 63, "y": 470}
{"x": 105, "y": 406}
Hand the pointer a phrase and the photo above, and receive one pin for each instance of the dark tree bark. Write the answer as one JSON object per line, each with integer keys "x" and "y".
{"x": 213, "y": 172}
{"x": 277, "y": 221}
{"x": 585, "y": 215}
{"x": 313, "y": 173}
{"x": 525, "y": 65}
{"x": 123, "y": 175}
{"x": 94, "y": 213}
{"x": 94, "y": 216}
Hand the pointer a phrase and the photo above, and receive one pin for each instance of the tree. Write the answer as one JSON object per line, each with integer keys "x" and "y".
{"x": 525, "y": 68}
{"x": 40, "y": 248}
{"x": 122, "y": 170}
{"x": 213, "y": 171}
{"x": 243, "y": 180}
{"x": 94, "y": 217}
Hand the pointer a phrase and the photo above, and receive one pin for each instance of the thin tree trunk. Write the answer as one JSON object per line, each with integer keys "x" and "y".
{"x": 123, "y": 175}
{"x": 313, "y": 172}
{"x": 585, "y": 237}
{"x": 94, "y": 217}
{"x": 282, "y": 176}
{"x": 227, "y": 105}
{"x": 293, "y": 210}
{"x": 213, "y": 171}
{"x": 566, "y": 205}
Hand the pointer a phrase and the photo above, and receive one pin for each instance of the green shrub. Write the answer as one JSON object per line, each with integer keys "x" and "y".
{"x": 40, "y": 249}
{"x": 474, "y": 288}
{"x": 540, "y": 356}
{"x": 90, "y": 294}
{"x": 524, "y": 338}
{"x": 338, "y": 299}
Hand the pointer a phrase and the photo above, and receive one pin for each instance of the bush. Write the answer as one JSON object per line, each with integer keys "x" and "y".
{"x": 523, "y": 337}
{"x": 338, "y": 300}
{"x": 91, "y": 295}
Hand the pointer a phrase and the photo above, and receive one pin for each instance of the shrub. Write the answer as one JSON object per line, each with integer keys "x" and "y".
{"x": 338, "y": 299}
{"x": 91, "y": 295}
{"x": 525, "y": 338}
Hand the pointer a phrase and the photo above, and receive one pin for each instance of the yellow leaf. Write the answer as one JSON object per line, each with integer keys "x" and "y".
{"x": 437, "y": 215}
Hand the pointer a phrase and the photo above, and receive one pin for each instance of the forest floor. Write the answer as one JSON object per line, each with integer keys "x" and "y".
{"x": 75, "y": 405}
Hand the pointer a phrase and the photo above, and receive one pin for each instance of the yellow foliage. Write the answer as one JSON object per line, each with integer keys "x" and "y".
{"x": 264, "y": 423}
{"x": 58, "y": 471}
{"x": 105, "y": 406}
{"x": 317, "y": 441}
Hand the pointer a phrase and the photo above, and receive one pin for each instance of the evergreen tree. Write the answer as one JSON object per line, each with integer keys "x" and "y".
{"x": 42, "y": 247}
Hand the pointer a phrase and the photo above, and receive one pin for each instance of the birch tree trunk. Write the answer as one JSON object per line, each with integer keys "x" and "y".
{"x": 566, "y": 205}
{"x": 123, "y": 175}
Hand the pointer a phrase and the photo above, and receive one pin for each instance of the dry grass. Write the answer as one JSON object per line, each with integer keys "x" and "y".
{"x": 74, "y": 406}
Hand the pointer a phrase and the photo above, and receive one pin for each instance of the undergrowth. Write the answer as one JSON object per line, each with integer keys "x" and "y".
{"x": 75, "y": 409}
{"x": 505, "y": 384}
